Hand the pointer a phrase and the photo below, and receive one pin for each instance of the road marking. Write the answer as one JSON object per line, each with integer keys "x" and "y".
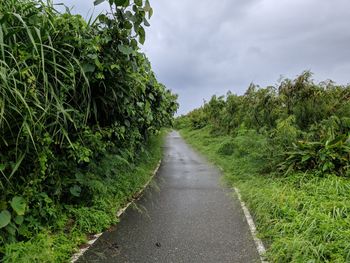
{"x": 81, "y": 252}
{"x": 258, "y": 243}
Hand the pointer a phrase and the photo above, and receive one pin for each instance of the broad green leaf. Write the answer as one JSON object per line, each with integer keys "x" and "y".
{"x": 75, "y": 190}
{"x": 133, "y": 43}
{"x": 142, "y": 35}
{"x": 126, "y": 50}
{"x": 11, "y": 229}
{"x": 5, "y": 218}
{"x": 147, "y": 6}
{"x": 128, "y": 25}
{"x": 130, "y": 16}
{"x": 138, "y": 2}
{"x": 88, "y": 68}
{"x": 18, "y": 204}
{"x": 19, "y": 220}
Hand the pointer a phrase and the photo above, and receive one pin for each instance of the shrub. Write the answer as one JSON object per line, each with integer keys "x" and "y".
{"x": 226, "y": 148}
{"x": 330, "y": 156}
{"x": 70, "y": 93}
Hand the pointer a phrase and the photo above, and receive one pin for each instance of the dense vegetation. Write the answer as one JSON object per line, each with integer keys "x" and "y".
{"x": 73, "y": 95}
{"x": 288, "y": 150}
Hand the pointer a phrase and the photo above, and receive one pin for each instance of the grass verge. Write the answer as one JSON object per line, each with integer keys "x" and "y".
{"x": 301, "y": 218}
{"x": 73, "y": 226}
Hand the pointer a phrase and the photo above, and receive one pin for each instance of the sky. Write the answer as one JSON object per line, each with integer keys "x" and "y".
{"x": 201, "y": 48}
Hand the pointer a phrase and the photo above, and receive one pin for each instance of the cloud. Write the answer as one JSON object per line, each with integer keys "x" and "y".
{"x": 201, "y": 48}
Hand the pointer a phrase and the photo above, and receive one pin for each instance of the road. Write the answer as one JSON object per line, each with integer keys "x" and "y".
{"x": 189, "y": 216}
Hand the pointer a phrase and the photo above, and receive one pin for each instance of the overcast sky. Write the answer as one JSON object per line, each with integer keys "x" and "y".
{"x": 206, "y": 47}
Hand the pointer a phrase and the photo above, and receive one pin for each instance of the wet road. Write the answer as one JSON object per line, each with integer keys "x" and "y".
{"x": 188, "y": 217}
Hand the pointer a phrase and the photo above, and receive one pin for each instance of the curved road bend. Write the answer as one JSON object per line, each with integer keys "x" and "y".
{"x": 191, "y": 217}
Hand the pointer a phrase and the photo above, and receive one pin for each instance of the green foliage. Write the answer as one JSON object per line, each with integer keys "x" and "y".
{"x": 18, "y": 204}
{"x": 5, "y": 218}
{"x": 226, "y": 148}
{"x": 90, "y": 220}
{"x": 72, "y": 93}
{"x": 38, "y": 250}
{"x": 300, "y": 120}
{"x": 106, "y": 186}
{"x": 331, "y": 156}
{"x": 44, "y": 247}
{"x": 286, "y": 131}
{"x": 198, "y": 119}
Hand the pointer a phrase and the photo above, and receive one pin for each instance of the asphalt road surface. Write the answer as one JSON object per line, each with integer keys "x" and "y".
{"x": 189, "y": 216}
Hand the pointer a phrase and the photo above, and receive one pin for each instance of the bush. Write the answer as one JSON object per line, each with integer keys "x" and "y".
{"x": 70, "y": 94}
{"x": 280, "y": 116}
{"x": 331, "y": 156}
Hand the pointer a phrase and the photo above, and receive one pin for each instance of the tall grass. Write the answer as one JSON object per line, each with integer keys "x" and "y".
{"x": 37, "y": 82}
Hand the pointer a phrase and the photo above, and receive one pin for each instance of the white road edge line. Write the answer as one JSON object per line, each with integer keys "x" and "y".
{"x": 81, "y": 252}
{"x": 258, "y": 243}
